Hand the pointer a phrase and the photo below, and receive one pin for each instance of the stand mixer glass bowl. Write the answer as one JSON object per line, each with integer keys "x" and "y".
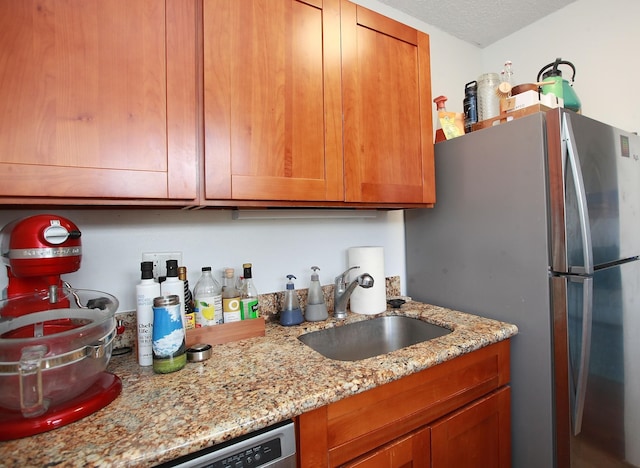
{"x": 53, "y": 346}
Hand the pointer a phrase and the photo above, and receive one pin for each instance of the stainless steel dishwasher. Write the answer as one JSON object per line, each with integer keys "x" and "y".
{"x": 273, "y": 446}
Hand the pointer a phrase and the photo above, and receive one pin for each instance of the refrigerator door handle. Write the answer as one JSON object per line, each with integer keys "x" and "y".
{"x": 581, "y": 197}
{"x": 585, "y": 353}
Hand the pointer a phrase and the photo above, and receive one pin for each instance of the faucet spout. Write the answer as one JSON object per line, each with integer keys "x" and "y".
{"x": 342, "y": 291}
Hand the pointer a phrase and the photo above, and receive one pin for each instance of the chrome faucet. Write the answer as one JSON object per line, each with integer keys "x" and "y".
{"x": 342, "y": 291}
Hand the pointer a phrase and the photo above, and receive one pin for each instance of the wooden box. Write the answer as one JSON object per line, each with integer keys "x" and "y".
{"x": 508, "y": 116}
{"x": 227, "y": 332}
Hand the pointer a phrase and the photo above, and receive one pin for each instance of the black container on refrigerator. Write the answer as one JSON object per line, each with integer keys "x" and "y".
{"x": 470, "y": 105}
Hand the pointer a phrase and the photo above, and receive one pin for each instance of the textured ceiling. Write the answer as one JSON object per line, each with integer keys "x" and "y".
{"x": 479, "y": 22}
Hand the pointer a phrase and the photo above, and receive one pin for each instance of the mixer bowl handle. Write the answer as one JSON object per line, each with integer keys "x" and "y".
{"x": 32, "y": 403}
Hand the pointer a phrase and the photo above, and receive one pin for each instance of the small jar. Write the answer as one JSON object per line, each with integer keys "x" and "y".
{"x": 488, "y": 100}
{"x": 169, "y": 344}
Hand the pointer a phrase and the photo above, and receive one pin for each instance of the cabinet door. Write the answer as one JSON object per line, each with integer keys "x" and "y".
{"x": 411, "y": 451}
{"x": 388, "y": 130}
{"x": 97, "y": 99}
{"x": 478, "y": 435}
{"x": 272, "y": 100}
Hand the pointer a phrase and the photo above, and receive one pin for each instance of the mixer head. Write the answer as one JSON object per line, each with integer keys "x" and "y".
{"x": 37, "y": 250}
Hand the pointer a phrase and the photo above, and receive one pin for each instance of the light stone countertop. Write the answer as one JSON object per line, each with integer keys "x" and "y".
{"x": 245, "y": 386}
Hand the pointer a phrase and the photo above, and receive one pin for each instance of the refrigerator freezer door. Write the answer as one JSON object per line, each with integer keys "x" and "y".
{"x": 580, "y": 294}
{"x": 610, "y": 415}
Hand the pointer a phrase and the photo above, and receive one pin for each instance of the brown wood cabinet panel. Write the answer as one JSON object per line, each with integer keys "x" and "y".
{"x": 88, "y": 105}
{"x": 388, "y": 132}
{"x": 478, "y": 435}
{"x": 272, "y": 100}
{"x": 412, "y": 451}
{"x": 349, "y": 428}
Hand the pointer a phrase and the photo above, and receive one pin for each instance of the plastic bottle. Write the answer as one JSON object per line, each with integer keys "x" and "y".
{"x": 440, "y": 107}
{"x": 174, "y": 286}
{"x": 188, "y": 299}
{"x": 470, "y": 105}
{"x": 208, "y": 300}
{"x": 249, "y": 308}
{"x": 291, "y": 313}
{"x": 230, "y": 297}
{"x": 146, "y": 291}
{"x": 316, "y": 307}
{"x": 449, "y": 124}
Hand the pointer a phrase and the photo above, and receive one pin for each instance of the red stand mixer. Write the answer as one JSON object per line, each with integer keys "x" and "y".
{"x": 55, "y": 341}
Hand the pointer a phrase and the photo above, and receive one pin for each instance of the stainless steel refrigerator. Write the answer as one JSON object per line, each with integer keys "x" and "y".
{"x": 537, "y": 223}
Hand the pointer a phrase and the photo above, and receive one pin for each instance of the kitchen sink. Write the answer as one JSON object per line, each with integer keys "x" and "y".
{"x": 373, "y": 337}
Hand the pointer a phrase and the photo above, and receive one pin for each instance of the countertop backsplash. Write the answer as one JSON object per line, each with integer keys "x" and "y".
{"x": 270, "y": 305}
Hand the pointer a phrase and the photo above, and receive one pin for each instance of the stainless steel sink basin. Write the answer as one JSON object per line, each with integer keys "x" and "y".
{"x": 368, "y": 338}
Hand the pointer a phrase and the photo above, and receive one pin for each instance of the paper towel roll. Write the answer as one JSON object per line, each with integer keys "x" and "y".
{"x": 372, "y": 300}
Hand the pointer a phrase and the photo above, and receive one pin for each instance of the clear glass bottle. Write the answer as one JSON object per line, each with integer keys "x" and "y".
{"x": 188, "y": 298}
{"x": 208, "y": 300}
{"x": 249, "y": 307}
{"x": 507, "y": 73}
{"x": 230, "y": 297}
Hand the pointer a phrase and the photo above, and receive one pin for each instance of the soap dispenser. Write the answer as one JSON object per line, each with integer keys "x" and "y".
{"x": 316, "y": 307}
{"x": 291, "y": 313}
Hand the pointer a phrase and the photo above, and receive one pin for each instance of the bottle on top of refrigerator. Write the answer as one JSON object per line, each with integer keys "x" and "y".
{"x": 173, "y": 285}
{"x": 188, "y": 299}
{"x": 208, "y": 300}
{"x": 249, "y": 307}
{"x": 230, "y": 297}
{"x": 146, "y": 291}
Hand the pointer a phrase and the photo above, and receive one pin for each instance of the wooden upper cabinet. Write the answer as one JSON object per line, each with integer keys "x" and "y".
{"x": 388, "y": 133}
{"x": 97, "y": 100}
{"x": 272, "y": 100}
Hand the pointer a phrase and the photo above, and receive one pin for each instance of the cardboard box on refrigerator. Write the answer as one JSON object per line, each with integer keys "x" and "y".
{"x": 529, "y": 98}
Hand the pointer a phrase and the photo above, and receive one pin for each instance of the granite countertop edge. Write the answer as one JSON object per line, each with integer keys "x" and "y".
{"x": 245, "y": 386}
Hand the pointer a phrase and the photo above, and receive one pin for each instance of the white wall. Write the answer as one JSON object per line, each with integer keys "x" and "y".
{"x": 113, "y": 241}
{"x": 600, "y": 38}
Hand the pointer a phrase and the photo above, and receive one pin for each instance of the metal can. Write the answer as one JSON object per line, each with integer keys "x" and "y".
{"x": 169, "y": 343}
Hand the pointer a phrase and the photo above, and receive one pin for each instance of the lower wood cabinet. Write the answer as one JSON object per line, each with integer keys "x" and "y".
{"x": 412, "y": 450}
{"x": 454, "y": 414}
{"x": 477, "y": 435}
